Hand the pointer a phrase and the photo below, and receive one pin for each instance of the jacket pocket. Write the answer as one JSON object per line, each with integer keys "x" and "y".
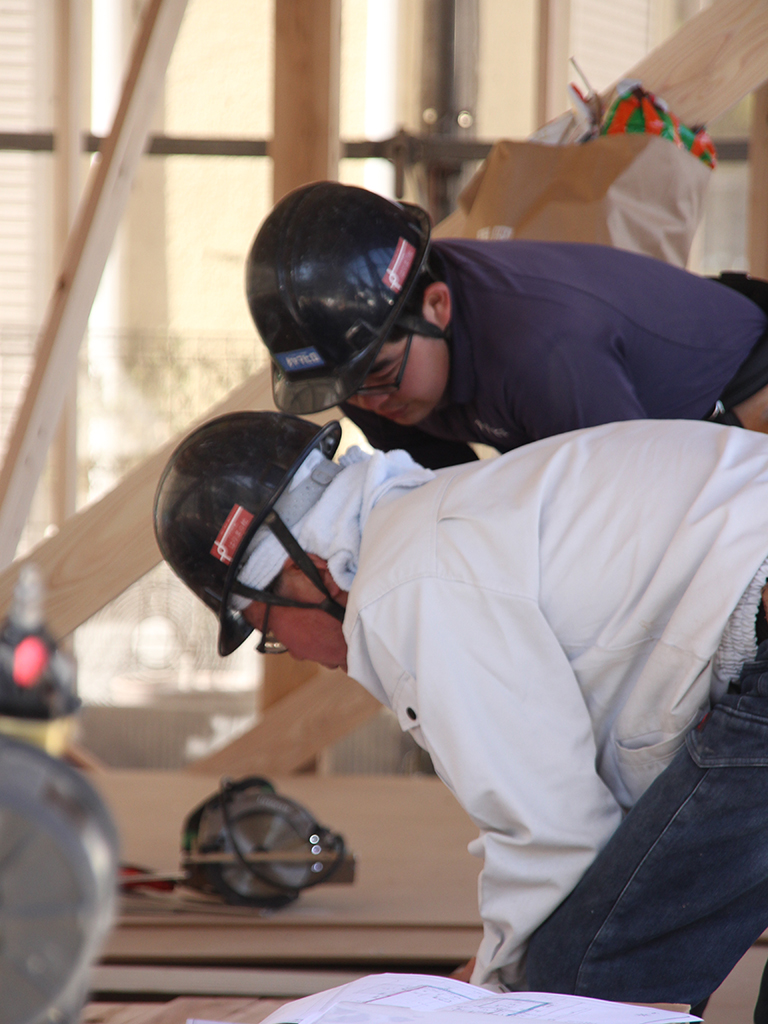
{"x": 640, "y": 765}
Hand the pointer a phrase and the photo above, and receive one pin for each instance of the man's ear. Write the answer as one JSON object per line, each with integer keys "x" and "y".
{"x": 437, "y": 304}
{"x": 322, "y": 566}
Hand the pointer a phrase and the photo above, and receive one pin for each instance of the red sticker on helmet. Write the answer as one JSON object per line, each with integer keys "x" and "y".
{"x": 400, "y": 264}
{"x": 231, "y": 533}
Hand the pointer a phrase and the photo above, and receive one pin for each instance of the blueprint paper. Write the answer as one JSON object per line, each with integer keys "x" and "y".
{"x": 424, "y": 999}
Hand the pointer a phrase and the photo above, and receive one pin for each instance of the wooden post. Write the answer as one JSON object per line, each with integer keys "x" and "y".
{"x": 86, "y": 253}
{"x": 305, "y": 143}
{"x": 304, "y": 147}
{"x": 67, "y": 184}
{"x": 757, "y": 212}
{"x": 552, "y": 77}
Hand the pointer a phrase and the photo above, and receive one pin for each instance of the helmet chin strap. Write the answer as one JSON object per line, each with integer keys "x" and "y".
{"x": 307, "y": 566}
{"x": 420, "y": 325}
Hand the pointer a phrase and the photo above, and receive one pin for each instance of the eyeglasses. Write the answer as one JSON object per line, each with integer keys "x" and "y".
{"x": 269, "y": 644}
{"x": 387, "y": 389}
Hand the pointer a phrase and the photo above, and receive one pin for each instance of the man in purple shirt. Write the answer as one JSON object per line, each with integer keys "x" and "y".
{"x": 431, "y": 345}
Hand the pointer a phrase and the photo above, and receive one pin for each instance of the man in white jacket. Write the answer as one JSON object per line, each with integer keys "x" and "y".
{"x": 563, "y": 628}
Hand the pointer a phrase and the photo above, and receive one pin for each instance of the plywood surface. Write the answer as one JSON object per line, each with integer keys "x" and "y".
{"x": 414, "y": 897}
{"x": 238, "y": 1011}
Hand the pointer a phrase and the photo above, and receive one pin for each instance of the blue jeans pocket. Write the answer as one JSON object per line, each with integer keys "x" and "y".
{"x": 734, "y": 734}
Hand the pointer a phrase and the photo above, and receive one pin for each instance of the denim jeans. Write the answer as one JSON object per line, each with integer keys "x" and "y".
{"x": 680, "y": 891}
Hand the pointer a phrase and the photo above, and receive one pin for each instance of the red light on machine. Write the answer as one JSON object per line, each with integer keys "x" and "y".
{"x": 30, "y": 660}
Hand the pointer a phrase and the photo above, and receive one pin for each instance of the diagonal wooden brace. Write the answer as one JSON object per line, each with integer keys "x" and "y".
{"x": 295, "y": 729}
{"x": 83, "y": 262}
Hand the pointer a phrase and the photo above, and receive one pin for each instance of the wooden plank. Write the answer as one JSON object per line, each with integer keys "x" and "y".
{"x": 79, "y": 757}
{"x": 378, "y": 946}
{"x": 757, "y": 217}
{"x": 215, "y": 981}
{"x": 234, "y": 1010}
{"x": 67, "y": 153}
{"x": 281, "y": 675}
{"x": 714, "y": 60}
{"x": 305, "y": 144}
{"x": 86, "y": 253}
{"x": 109, "y": 545}
{"x": 66, "y": 193}
{"x": 296, "y": 728}
{"x": 178, "y": 1011}
{"x": 118, "y": 1013}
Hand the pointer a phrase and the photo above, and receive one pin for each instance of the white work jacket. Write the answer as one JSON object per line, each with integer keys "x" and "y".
{"x": 544, "y": 623}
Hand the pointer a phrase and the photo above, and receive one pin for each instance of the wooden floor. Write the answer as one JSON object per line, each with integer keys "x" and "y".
{"x": 243, "y": 1011}
{"x": 412, "y": 906}
{"x": 734, "y": 1001}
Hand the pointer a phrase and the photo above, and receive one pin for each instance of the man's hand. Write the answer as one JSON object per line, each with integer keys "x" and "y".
{"x": 464, "y": 972}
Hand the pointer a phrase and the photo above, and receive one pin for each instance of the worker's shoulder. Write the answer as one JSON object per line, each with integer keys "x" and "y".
{"x": 542, "y": 258}
{"x": 599, "y": 273}
{"x": 461, "y": 515}
{"x": 594, "y": 469}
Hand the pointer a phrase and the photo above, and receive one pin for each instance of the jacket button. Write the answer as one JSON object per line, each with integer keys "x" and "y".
{"x": 411, "y": 713}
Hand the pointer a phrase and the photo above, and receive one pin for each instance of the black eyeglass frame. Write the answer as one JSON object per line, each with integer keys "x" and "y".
{"x": 388, "y": 389}
{"x": 269, "y": 644}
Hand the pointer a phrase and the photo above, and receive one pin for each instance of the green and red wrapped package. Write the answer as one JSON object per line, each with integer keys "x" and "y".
{"x": 640, "y": 112}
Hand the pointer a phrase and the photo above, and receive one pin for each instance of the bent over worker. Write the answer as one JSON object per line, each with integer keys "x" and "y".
{"x": 431, "y": 344}
{"x": 570, "y": 630}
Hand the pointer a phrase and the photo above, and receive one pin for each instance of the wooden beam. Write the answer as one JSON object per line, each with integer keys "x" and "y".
{"x": 281, "y": 675}
{"x": 757, "y": 214}
{"x": 274, "y": 982}
{"x": 177, "y": 1011}
{"x": 109, "y": 545}
{"x": 67, "y": 186}
{"x": 714, "y": 60}
{"x": 305, "y": 143}
{"x": 67, "y": 150}
{"x": 86, "y": 253}
{"x": 295, "y": 729}
{"x": 553, "y": 54}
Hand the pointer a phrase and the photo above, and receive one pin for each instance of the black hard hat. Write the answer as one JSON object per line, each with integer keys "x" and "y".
{"x": 217, "y": 489}
{"x": 327, "y": 277}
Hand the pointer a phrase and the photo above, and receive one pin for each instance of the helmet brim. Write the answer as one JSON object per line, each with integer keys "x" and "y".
{"x": 316, "y": 394}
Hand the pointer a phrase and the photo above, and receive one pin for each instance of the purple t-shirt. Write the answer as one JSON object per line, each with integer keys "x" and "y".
{"x": 552, "y": 336}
